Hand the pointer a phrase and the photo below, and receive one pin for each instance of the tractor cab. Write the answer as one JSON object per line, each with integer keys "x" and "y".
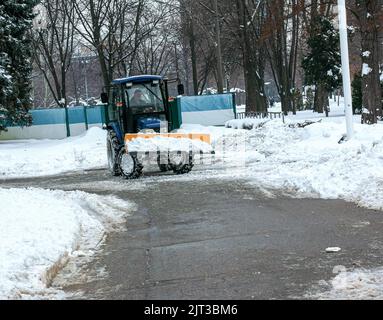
{"x": 138, "y": 104}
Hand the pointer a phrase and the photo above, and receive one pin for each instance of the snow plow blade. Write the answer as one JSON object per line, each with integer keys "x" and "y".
{"x": 194, "y": 136}
{"x": 177, "y": 152}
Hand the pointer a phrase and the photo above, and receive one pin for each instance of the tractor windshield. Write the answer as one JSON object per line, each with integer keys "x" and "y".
{"x": 145, "y": 98}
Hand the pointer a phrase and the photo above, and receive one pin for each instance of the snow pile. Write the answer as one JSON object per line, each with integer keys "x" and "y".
{"x": 216, "y": 133}
{"x": 236, "y": 90}
{"x": 277, "y": 107}
{"x": 164, "y": 144}
{"x": 354, "y": 285}
{"x": 305, "y": 161}
{"x": 40, "y": 229}
{"x": 31, "y": 158}
{"x": 310, "y": 161}
{"x": 245, "y": 123}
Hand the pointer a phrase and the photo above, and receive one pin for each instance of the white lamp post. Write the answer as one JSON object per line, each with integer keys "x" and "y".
{"x": 345, "y": 67}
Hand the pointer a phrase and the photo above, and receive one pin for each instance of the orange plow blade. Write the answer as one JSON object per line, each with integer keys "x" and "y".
{"x": 194, "y": 136}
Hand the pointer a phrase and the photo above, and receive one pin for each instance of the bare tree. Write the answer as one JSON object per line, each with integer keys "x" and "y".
{"x": 155, "y": 53}
{"x": 53, "y": 47}
{"x": 282, "y": 47}
{"x": 188, "y": 31}
{"x": 251, "y": 23}
{"x": 218, "y": 47}
{"x": 115, "y": 29}
{"x": 202, "y": 24}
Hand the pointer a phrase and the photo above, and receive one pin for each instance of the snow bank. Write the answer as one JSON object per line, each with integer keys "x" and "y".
{"x": 31, "y": 158}
{"x": 305, "y": 161}
{"x": 354, "y": 285}
{"x": 40, "y": 229}
{"x": 310, "y": 161}
{"x": 163, "y": 144}
{"x": 245, "y": 123}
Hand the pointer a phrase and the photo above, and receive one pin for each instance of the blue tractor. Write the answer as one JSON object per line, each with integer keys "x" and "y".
{"x": 140, "y": 106}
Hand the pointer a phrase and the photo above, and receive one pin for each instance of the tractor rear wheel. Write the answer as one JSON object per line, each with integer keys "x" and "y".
{"x": 113, "y": 148}
{"x": 130, "y": 167}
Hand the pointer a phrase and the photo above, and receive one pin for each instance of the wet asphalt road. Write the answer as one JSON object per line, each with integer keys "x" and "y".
{"x": 209, "y": 239}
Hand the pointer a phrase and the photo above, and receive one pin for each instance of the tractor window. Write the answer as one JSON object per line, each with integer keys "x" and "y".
{"x": 145, "y": 98}
{"x": 116, "y": 100}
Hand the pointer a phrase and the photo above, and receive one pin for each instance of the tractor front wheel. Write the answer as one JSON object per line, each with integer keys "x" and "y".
{"x": 113, "y": 148}
{"x": 183, "y": 169}
{"x": 130, "y": 167}
{"x": 163, "y": 167}
{"x": 163, "y": 163}
{"x": 181, "y": 162}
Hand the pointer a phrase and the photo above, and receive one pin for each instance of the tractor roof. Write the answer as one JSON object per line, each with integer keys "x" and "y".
{"x": 137, "y": 79}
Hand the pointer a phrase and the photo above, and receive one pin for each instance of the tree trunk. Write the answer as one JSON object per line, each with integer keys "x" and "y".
{"x": 369, "y": 11}
{"x": 103, "y": 66}
{"x": 250, "y": 84}
{"x": 321, "y": 98}
{"x": 253, "y": 64}
{"x": 283, "y": 49}
{"x": 193, "y": 59}
{"x": 218, "y": 50}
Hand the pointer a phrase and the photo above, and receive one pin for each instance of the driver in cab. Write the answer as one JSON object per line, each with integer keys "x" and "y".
{"x": 138, "y": 99}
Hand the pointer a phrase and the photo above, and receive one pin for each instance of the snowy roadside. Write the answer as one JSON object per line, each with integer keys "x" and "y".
{"x": 32, "y": 158}
{"x": 358, "y": 284}
{"x": 303, "y": 162}
{"x": 306, "y": 162}
{"x": 41, "y": 229}
{"x": 310, "y": 162}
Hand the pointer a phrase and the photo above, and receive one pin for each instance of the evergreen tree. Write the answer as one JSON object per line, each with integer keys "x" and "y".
{"x": 5, "y": 90}
{"x": 15, "y": 61}
{"x": 322, "y": 64}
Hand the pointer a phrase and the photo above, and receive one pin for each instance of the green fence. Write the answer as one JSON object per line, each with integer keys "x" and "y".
{"x": 57, "y": 122}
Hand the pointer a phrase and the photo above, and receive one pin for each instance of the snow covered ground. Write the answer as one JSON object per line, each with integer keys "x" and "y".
{"x": 306, "y": 161}
{"x": 303, "y": 162}
{"x": 310, "y": 161}
{"x": 30, "y": 158}
{"x": 335, "y": 111}
{"x": 245, "y": 123}
{"x": 359, "y": 284}
{"x": 41, "y": 229}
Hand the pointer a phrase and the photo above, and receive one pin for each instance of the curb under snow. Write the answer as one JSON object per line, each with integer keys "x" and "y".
{"x": 41, "y": 230}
